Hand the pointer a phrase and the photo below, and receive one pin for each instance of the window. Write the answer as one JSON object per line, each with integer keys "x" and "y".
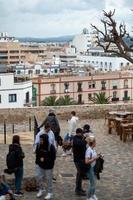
{"x": 114, "y": 84}
{"x": 37, "y": 71}
{"x": 79, "y": 87}
{"x": 79, "y": 98}
{"x": 18, "y": 71}
{"x": 0, "y": 98}
{"x": 12, "y": 98}
{"x": 27, "y": 97}
{"x": 89, "y": 96}
{"x": 126, "y": 83}
{"x": 114, "y": 94}
{"x": 53, "y": 90}
{"x": 66, "y": 87}
{"x": 103, "y": 83}
{"x": 91, "y": 84}
{"x": 125, "y": 94}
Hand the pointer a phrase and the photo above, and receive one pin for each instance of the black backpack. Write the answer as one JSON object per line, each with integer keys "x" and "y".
{"x": 12, "y": 160}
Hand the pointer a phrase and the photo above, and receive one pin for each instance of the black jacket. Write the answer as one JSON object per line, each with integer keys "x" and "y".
{"x": 48, "y": 155}
{"x": 99, "y": 167}
{"x": 79, "y": 148}
{"x": 19, "y": 153}
{"x": 52, "y": 120}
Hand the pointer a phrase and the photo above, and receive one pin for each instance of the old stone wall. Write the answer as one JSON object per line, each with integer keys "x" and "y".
{"x": 62, "y": 112}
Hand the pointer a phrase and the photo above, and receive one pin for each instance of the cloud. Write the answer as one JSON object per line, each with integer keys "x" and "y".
{"x": 45, "y": 18}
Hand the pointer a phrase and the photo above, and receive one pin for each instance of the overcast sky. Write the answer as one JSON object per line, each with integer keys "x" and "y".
{"x": 48, "y": 18}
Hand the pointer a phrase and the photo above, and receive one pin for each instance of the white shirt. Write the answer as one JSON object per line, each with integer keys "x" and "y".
{"x": 73, "y": 124}
{"x": 91, "y": 153}
{"x": 51, "y": 137}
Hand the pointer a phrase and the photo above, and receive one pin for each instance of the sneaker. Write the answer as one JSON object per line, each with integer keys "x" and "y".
{"x": 94, "y": 197}
{"x": 80, "y": 193}
{"x": 49, "y": 196}
{"x": 40, "y": 193}
{"x": 18, "y": 194}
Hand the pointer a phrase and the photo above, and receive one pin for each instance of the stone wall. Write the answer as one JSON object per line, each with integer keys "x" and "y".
{"x": 62, "y": 112}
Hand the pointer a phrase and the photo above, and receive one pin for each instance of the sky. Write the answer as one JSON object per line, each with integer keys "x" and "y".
{"x": 53, "y": 18}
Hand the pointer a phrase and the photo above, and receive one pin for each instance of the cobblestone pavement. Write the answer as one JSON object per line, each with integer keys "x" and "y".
{"x": 116, "y": 181}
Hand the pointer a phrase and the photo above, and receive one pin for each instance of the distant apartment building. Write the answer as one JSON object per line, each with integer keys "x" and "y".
{"x": 117, "y": 86}
{"x": 12, "y": 51}
{"x": 14, "y": 93}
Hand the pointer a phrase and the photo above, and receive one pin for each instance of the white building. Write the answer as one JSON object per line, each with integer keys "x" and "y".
{"x": 102, "y": 63}
{"x": 83, "y": 41}
{"x": 14, "y": 93}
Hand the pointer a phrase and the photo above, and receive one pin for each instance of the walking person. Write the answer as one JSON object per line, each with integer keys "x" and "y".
{"x": 54, "y": 123}
{"x": 45, "y": 158}
{"x": 79, "y": 149}
{"x": 19, "y": 156}
{"x": 73, "y": 123}
{"x": 68, "y": 138}
{"x": 90, "y": 158}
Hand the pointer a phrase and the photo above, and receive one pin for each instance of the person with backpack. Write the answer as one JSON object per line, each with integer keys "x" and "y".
{"x": 45, "y": 159}
{"x": 54, "y": 123}
{"x": 15, "y": 163}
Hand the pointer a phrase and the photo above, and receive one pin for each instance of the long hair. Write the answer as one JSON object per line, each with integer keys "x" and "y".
{"x": 16, "y": 139}
{"x": 45, "y": 144}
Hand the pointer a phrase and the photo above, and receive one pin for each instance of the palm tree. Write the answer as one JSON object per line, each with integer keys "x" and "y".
{"x": 49, "y": 101}
{"x": 100, "y": 98}
{"x": 66, "y": 100}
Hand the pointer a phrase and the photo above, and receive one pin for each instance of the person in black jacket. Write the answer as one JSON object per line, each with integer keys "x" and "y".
{"x": 54, "y": 124}
{"x": 45, "y": 158}
{"x": 79, "y": 148}
{"x": 15, "y": 146}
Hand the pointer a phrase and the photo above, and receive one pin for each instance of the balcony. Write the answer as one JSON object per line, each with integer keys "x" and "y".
{"x": 103, "y": 88}
{"x": 115, "y": 99}
{"x": 52, "y": 91}
{"x": 126, "y": 98}
{"x": 125, "y": 86}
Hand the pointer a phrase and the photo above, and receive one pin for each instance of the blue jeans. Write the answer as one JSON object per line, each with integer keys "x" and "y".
{"x": 91, "y": 183}
{"x": 78, "y": 177}
{"x": 18, "y": 179}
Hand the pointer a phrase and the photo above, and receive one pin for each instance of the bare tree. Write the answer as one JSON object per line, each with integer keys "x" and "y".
{"x": 111, "y": 39}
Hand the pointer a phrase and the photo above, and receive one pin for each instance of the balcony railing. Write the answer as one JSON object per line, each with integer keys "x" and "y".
{"x": 126, "y": 98}
{"x": 103, "y": 88}
{"x": 52, "y": 91}
{"x": 125, "y": 86}
{"x": 115, "y": 99}
{"x": 114, "y": 87}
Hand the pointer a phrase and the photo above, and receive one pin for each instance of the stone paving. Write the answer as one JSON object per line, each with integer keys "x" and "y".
{"x": 116, "y": 181}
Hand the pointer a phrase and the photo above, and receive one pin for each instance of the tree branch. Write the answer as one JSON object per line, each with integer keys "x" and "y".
{"x": 113, "y": 35}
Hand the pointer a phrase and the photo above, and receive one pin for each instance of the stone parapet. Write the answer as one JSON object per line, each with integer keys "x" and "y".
{"x": 62, "y": 112}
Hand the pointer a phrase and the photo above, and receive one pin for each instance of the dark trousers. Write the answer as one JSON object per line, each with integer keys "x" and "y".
{"x": 18, "y": 179}
{"x": 78, "y": 177}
